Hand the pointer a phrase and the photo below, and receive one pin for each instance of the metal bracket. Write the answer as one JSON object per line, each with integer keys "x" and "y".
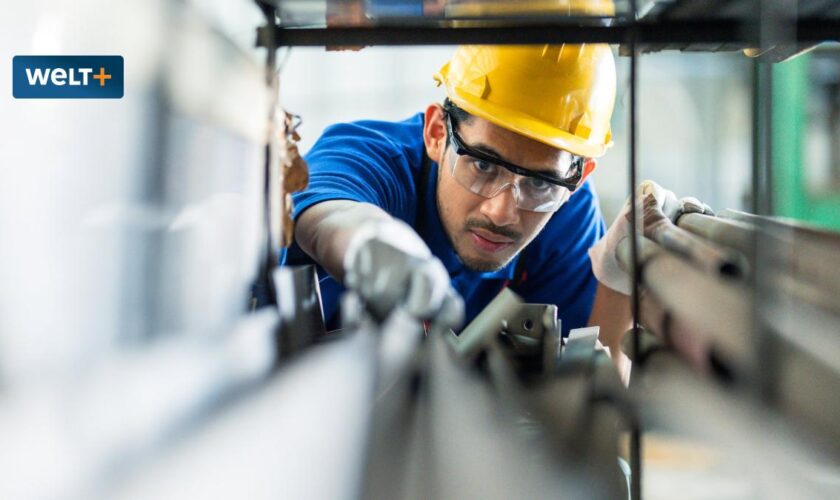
{"x": 299, "y": 304}
{"x": 530, "y": 333}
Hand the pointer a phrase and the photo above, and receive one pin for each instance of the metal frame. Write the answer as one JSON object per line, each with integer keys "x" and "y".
{"x": 671, "y": 28}
{"x": 659, "y": 35}
{"x": 633, "y": 38}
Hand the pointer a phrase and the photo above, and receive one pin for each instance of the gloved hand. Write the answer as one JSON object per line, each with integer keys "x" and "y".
{"x": 388, "y": 265}
{"x": 602, "y": 254}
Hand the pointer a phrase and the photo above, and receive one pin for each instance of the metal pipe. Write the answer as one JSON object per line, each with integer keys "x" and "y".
{"x": 802, "y": 229}
{"x": 717, "y": 310}
{"x": 730, "y": 233}
{"x": 683, "y": 338}
{"x": 703, "y": 254}
{"x": 647, "y": 250}
{"x": 805, "y": 261}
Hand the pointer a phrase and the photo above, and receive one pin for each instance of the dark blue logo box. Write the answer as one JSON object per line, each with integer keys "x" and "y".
{"x": 67, "y": 77}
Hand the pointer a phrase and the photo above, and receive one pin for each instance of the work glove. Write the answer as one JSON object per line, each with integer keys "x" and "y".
{"x": 389, "y": 265}
{"x": 602, "y": 254}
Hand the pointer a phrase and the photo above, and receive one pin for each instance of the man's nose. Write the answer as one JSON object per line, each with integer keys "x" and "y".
{"x": 501, "y": 209}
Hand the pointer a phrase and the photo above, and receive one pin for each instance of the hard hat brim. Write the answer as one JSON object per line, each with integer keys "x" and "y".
{"x": 525, "y": 125}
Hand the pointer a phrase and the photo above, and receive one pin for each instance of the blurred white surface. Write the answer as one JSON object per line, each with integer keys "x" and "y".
{"x": 129, "y": 237}
{"x": 124, "y": 220}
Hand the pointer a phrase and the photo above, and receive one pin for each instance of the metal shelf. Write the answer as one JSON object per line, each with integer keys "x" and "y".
{"x": 694, "y": 25}
{"x": 705, "y": 35}
{"x": 685, "y": 25}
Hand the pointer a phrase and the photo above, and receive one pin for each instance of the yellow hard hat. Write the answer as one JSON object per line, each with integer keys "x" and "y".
{"x": 561, "y": 95}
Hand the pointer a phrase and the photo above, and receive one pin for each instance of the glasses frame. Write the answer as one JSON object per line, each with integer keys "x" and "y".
{"x": 461, "y": 149}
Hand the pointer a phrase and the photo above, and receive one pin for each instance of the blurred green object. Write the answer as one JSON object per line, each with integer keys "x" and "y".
{"x": 796, "y": 194}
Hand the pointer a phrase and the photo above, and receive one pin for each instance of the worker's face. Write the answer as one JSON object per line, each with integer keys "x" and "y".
{"x": 486, "y": 232}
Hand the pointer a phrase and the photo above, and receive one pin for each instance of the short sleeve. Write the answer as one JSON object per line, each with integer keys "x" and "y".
{"x": 366, "y": 161}
{"x": 352, "y": 161}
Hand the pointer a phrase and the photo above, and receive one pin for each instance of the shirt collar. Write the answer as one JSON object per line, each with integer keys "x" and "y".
{"x": 435, "y": 236}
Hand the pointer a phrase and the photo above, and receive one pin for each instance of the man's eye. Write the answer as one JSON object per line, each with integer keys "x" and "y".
{"x": 538, "y": 184}
{"x": 485, "y": 167}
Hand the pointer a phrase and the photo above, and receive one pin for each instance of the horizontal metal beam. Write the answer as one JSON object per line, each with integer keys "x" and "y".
{"x": 671, "y": 34}
{"x": 730, "y": 233}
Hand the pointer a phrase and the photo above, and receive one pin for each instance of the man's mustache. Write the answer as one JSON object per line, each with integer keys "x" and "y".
{"x": 489, "y": 226}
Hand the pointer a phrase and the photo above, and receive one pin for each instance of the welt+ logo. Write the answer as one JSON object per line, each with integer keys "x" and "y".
{"x": 67, "y": 77}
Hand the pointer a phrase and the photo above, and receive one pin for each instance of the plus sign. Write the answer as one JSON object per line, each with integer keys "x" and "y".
{"x": 102, "y": 76}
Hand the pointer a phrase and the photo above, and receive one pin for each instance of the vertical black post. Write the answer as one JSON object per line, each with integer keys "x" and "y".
{"x": 263, "y": 292}
{"x": 635, "y": 432}
{"x": 776, "y": 29}
{"x": 762, "y": 184}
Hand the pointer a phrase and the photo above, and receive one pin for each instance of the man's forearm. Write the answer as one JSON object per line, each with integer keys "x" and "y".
{"x": 611, "y": 312}
{"x": 324, "y": 230}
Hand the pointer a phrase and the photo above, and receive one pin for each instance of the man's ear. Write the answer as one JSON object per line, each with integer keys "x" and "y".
{"x": 434, "y": 132}
{"x": 589, "y": 165}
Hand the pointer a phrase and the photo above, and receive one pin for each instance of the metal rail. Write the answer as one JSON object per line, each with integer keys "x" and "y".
{"x": 660, "y": 35}
{"x": 732, "y": 234}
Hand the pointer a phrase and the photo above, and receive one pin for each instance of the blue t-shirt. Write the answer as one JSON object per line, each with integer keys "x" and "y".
{"x": 381, "y": 163}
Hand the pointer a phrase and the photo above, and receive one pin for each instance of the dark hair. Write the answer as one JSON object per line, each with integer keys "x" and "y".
{"x": 458, "y": 114}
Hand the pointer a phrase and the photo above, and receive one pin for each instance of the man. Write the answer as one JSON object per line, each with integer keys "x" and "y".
{"x": 485, "y": 191}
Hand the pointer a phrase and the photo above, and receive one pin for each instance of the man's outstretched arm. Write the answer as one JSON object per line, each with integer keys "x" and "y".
{"x": 381, "y": 258}
{"x": 324, "y": 231}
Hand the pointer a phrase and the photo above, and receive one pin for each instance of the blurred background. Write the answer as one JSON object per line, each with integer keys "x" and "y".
{"x": 694, "y": 113}
{"x": 695, "y": 125}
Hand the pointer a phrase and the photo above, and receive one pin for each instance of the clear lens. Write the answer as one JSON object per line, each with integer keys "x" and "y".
{"x": 566, "y": 165}
{"x": 488, "y": 179}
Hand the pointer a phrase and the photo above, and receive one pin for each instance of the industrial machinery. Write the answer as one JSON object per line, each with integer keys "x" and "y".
{"x": 151, "y": 348}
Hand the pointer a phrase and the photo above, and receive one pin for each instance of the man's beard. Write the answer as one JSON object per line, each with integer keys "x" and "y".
{"x": 481, "y": 265}
{"x": 485, "y": 266}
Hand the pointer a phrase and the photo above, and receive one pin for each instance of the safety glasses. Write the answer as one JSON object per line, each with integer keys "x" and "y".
{"x": 487, "y": 175}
